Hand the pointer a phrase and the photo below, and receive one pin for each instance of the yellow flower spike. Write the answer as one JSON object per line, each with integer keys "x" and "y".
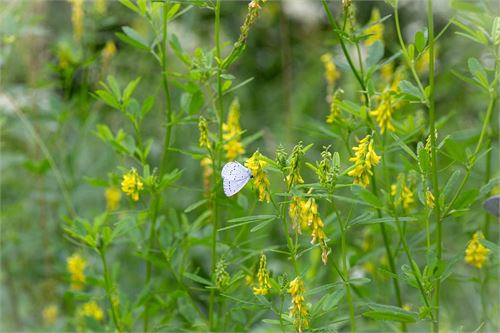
{"x": 231, "y": 132}
{"x": 298, "y": 310}
{"x": 204, "y": 141}
{"x": 335, "y": 110}
{"x": 256, "y": 165}
{"x": 429, "y": 199}
{"x": 132, "y": 184}
{"x": 76, "y": 266}
{"x": 77, "y": 18}
{"x": 364, "y": 160}
{"x": 208, "y": 171}
{"x": 92, "y": 309}
{"x": 113, "y": 196}
{"x": 383, "y": 112}
{"x": 263, "y": 278}
{"x": 331, "y": 72}
{"x": 406, "y": 196}
{"x": 476, "y": 253}
{"x": 376, "y": 31}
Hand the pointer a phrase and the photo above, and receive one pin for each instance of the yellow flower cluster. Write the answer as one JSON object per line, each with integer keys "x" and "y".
{"x": 76, "y": 266}
{"x": 107, "y": 53}
{"x": 294, "y": 176}
{"x": 383, "y": 112}
{"x": 256, "y": 164}
{"x": 476, "y": 253}
{"x": 331, "y": 73}
{"x": 132, "y": 184}
{"x": 232, "y": 130}
{"x": 113, "y": 196}
{"x": 298, "y": 310}
{"x": 203, "y": 127}
{"x": 406, "y": 196}
{"x": 49, "y": 314}
{"x": 208, "y": 171}
{"x": 92, "y": 309}
{"x": 77, "y": 18}
{"x": 365, "y": 159}
{"x": 263, "y": 278}
{"x": 305, "y": 213}
{"x": 429, "y": 199}
{"x": 335, "y": 110}
{"x": 375, "y": 31}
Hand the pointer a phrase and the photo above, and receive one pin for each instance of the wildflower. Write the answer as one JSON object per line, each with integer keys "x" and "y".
{"x": 376, "y": 30}
{"x": 256, "y": 164}
{"x": 422, "y": 62}
{"x": 281, "y": 158}
{"x": 113, "y": 196}
{"x": 428, "y": 142}
{"x": 331, "y": 73}
{"x": 476, "y": 253}
{"x": 49, "y": 314}
{"x": 208, "y": 171}
{"x": 232, "y": 130}
{"x": 383, "y": 112}
{"x": 387, "y": 72}
{"x": 310, "y": 214}
{"x": 77, "y": 18}
{"x": 132, "y": 184}
{"x": 107, "y": 53}
{"x": 253, "y": 12}
{"x": 406, "y": 196}
{"x": 249, "y": 280}
{"x": 92, "y": 309}
{"x": 335, "y": 110}
{"x": 76, "y": 266}
{"x": 429, "y": 199}
{"x": 407, "y": 306}
{"x": 294, "y": 176}
{"x": 298, "y": 310}
{"x": 263, "y": 277}
{"x": 204, "y": 140}
{"x": 295, "y": 212}
{"x": 221, "y": 275}
{"x": 328, "y": 169}
{"x": 365, "y": 159}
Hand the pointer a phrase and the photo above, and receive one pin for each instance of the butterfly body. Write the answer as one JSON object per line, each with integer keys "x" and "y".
{"x": 234, "y": 177}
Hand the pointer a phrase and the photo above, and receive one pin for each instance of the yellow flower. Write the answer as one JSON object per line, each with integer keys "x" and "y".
{"x": 107, "y": 53}
{"x": 49, "y": 314}
{"x": 376, "y": 31}
{"x": 406, "y": 196}
{"x": 365, "y": 159}
{"x": 232, "y": 130}
{"x": 422, "y": 62}
{"x": 91, "y": 309}
{"x": 113, "y": 196}
{"x": 294, "y": 176}
{"x": 208, "y": 171}
{"x": 476, "y": 253}
{"x": 334, "y": 115}
{"x": 298, "y": 310}
{"x": 76, "y": 266}
{"x": 249, "y": 280}
{"x": 77, "y": 18}
{"x": 383, "y": 112}
{"x": 429, "y": 199}
{"x": 304, "y": 213}
{"x": 204, "y": 140}
{"x": 132, "y": 184}
{"x": 387, "y": 72}
{"x": 331, "y": 73}
{"x": 263, "y": 278}
{"x": 256, "y": 164}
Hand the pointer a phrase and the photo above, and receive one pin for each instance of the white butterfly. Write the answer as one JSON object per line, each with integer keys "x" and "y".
{"x": 234, "y": 176}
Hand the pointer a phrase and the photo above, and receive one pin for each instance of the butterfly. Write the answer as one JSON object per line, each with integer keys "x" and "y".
{"x": 235, "y": 176}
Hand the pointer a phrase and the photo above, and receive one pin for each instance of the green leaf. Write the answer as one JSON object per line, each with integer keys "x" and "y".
{"x": 367, "y": 196}
{"x": 491, "y": 246}
{"x": 254, "y": 218}
{"x": 195, "y": 205}
{"x": 375, "y": 53}
{"x": 478, "y": 72}
{"x": 130, "y": 5}
{"x": 197, "y": 278}
{"x": 419, "y": 41}
{"x": 137, "y": 40}
{"x": 108, "y": 98}
{"x": 129, "y": 89}
{"x": 451, "y": 181}
{"x": 388, "y": 312}
{"x": 332, "y": 299}
{"x": 410, "y": 90}
{"x": 404, "y": 146}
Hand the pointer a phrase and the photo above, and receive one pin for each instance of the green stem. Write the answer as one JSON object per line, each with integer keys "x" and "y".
{"x": 218, "y": 167}
{"x": 289, "y": 240}
{"x": 107, "y": 284}
{"x": 336, "y": 28}
{"x": 345, "y": 268}
{"x": 435, "y": 182}
{"x": 155, "y": 203}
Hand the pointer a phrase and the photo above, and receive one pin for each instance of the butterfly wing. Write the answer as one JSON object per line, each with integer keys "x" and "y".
{"x": 492, "y": 205}
{"x": 235, "y": 171}
{"x": 231, "y": 187}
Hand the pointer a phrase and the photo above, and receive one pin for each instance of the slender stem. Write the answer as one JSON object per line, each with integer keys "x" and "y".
{"x": 218, "y": 166}
{"x": 155, "y": 203}
{"x": 289, "y": 240}
{"x": 336, "y": 28}
{"x": 345, "y": 267}
{"x": 435, "y": 183}
{"x": 107, "y": 284}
